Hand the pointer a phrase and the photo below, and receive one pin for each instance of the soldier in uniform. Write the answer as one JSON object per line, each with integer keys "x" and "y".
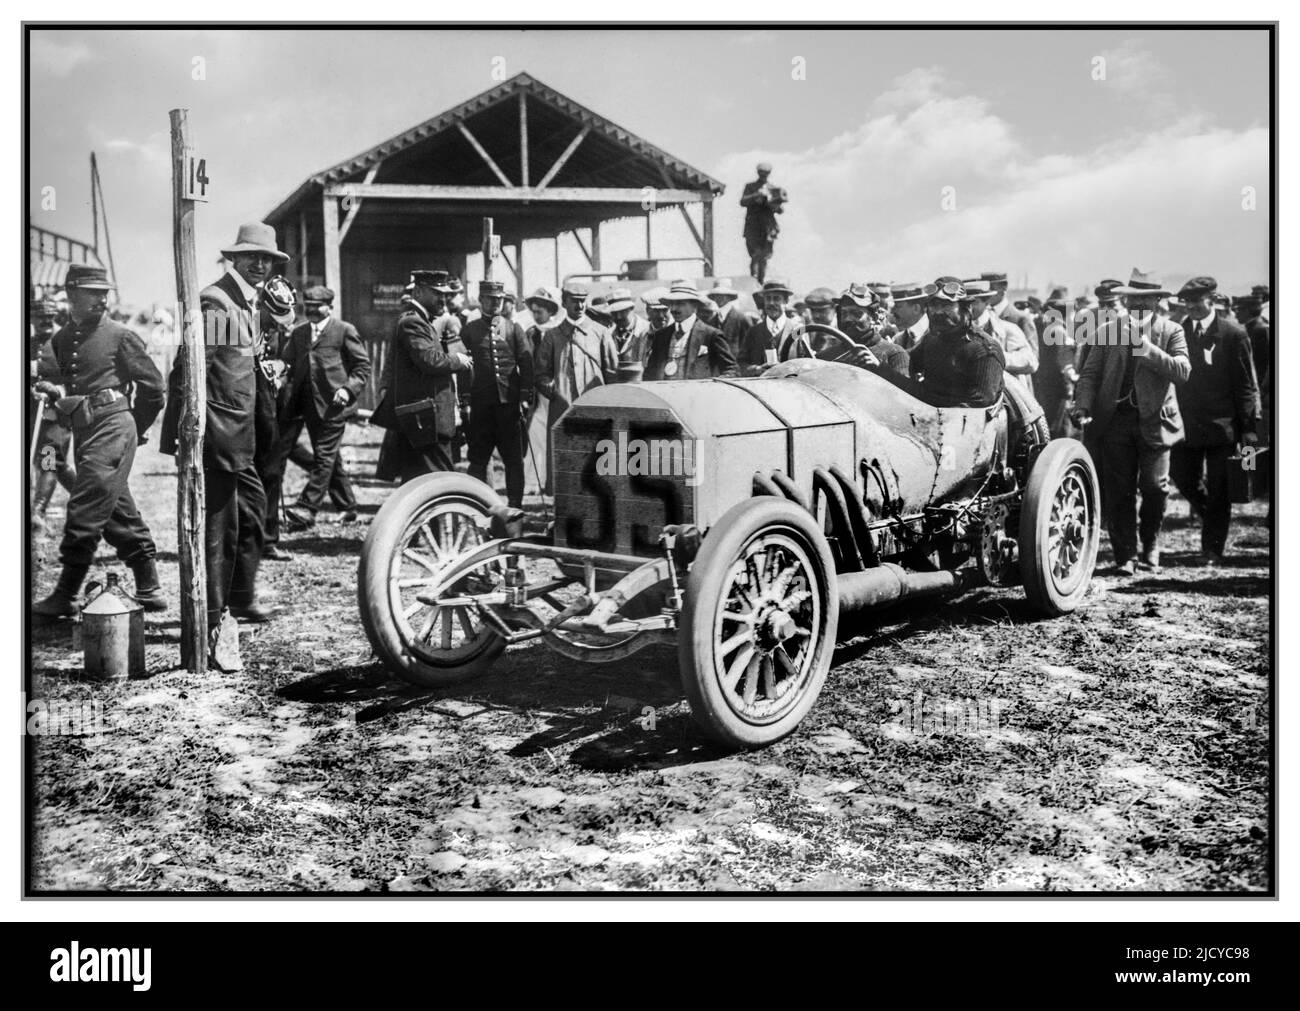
{"x": 114, "y": 393}
{"x": 235, "y": 518}
{"x": 419, "y": 407}
{"x": 52, "y": 439}
{"x": 762, "y": 202}
{"x": 631, "y": 333}
{"x": 688, "y": 348}
{"x": 908, "y": 314}
{"x": 329, "y": 368}
{"x": 958, "y": 365}
{"x": 502, "y": 390}
{"x": 1220, "y": 408}
{"x": 768, "y": 339}
{"x": 1127, "y": 390}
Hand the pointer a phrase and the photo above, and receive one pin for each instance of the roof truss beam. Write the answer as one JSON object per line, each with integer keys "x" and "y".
{"x": 559, "y": 162}
{"x": 482, "y": 151}
{"x": 523, "y": 194}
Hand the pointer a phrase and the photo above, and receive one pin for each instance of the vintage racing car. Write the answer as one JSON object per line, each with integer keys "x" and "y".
{"x": 738, "y": 518}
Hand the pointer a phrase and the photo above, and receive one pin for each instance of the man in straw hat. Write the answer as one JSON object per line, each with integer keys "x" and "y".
{"x": 768, "y": 339}
{"x": 501, "y": 393}
{"x": 234, "y": 498}
{"x": 688, "y": 348}
{"x": 1020, "y": 354}
{"x": 100, "y": 363}
{"x": 958, "y": 365}
{"x": 1221, "y": 408}
{"x": 908, "y": 313}
{"x": 734, "y": 322}
{"x": 1126, "y": 391}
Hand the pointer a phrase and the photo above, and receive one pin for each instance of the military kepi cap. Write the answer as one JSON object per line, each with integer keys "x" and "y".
{"x": 438, "y": 280}
{"x": 82, "y": 275}
{"x": 318, "y": 294}
{"x": 489, "y": 289}
{"x": 1198, "y": 286}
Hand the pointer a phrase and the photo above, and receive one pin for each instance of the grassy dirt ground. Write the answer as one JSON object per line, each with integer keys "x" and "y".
{"x": 959, "y": 746}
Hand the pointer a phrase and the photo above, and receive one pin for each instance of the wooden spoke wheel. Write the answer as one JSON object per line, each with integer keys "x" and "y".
{"x": 759, "y": 622}
{"x": 1060, "y": 527}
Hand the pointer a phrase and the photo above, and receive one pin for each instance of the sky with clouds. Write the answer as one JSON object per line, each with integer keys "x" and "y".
{"x": 1051, "y": 174}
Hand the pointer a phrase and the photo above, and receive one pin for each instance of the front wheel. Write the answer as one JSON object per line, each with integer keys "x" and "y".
{"x": 1060, "y": 527}
{"x": 759, "y": 622}
{"x": 423, "y": 527}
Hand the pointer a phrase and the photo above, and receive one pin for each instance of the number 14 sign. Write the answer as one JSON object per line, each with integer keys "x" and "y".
{"x": 196, "y": 182}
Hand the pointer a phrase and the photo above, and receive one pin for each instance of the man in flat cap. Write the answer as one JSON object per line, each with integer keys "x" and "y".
{"x": 908, "y": 313}
{"x": 53, "y": 440}
{"x": 112, "y": 394}
{"x": 631, "y": 333}
{"x": 770, "y": 338}
{"x": 329, "y": 368}
{"x": 235, "y": 500}
{"x": 576, "y": 355}
{"x": 688, "y": 348}
{"x": 1127, "y": 393}
{"x": 1220, "y": 407}
{"x": 762, "y": 202}
{"x": 958, "y": 364}
{"x": 501, "y": 394}
{"x": 733, "y": 321}
{"x": 656, "y": 313}
{"x": 419, "y": 408}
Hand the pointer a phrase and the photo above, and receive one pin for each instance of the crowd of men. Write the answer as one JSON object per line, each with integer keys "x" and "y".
{"x": 1156, "y": 383}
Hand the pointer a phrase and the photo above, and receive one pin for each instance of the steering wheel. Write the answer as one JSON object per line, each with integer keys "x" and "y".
{"x": 833, "y": 335}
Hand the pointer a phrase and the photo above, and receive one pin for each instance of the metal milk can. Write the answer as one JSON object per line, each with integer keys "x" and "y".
{"x": 113, "y": 633}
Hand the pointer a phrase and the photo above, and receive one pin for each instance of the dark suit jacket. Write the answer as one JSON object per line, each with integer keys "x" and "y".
{"x": 735, "y": 326}
{"x": 1164, "y": 366}
{"x": 418, "y": 369}
{"x": 230, "y": 331}
{"x": 1220, "y": 400}
{"x": 339, "y": 358}
{"x": 707, "y": 354}
{"x": 758, "y": 340}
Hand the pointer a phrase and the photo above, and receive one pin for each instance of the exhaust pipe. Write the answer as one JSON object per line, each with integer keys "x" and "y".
{"x": 887, "y": 583}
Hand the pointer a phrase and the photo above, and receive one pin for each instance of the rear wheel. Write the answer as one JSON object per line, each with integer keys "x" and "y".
{"x": 1059, "y": 527}
{"x": 759, "y": 622}
{"x": 423, "y": 527}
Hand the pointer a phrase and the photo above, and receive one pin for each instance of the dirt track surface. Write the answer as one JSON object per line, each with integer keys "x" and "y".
{"x": 956, "y": 747}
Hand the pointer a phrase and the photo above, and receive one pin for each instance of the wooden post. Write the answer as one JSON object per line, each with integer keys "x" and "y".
{"x": 487, "y": 249}
{"x": 194, "y": 409}
{"x": 302, "y": 249}
{"x": 330, "y": 210}
{"x": 708, "y": 235}
{"x": 523, "y": 139}
{"x": 595, "y": 246}
{"x": 519, "y": 270}
{"x": 555, "y": 240}
{"x": 649, "y": 247}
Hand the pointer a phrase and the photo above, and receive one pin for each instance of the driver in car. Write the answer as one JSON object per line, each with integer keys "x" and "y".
{"x": 861, "y": 317}
{"x": 958, "y": 365}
